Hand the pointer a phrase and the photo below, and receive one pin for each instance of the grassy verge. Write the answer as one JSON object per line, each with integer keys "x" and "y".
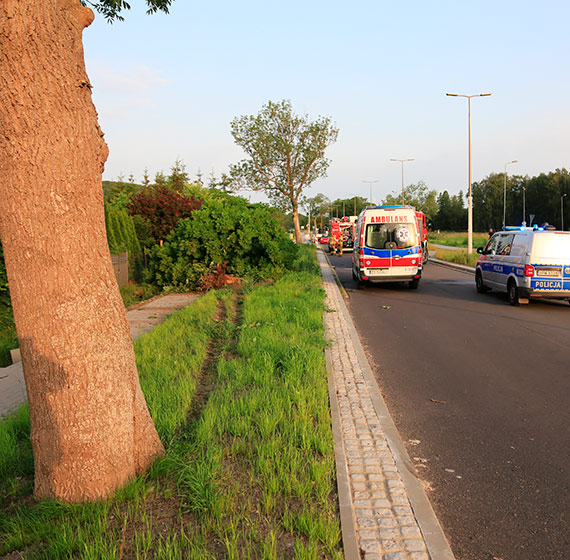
{"x": 459, "y": 257}
{"x": 131, "y": 294}
{"x": 237, "y": 386}
{"x": 458, "y": 239}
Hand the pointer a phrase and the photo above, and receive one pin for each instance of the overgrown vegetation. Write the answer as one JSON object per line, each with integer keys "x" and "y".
{"x": 227, "y": 236}
{"x": 237, "y": 387}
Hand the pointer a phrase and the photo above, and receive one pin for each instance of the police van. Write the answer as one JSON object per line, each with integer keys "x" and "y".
{"x": 526, "y": 263}
{"x": 387, "y": 246}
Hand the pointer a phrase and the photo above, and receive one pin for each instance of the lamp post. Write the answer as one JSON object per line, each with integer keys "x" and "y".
{"x": 524, "y": 209}
{"x": 370, "y": 182}
{"x": 562, "y": 209}
{"x": 470, "y": 202}
{"x": 505, "y": 192}
{"x": 402, "y": 162}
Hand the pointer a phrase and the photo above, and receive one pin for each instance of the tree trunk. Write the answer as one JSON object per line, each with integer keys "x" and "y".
{"x": 90, "y": 426}
{"x": 298, "y": 237}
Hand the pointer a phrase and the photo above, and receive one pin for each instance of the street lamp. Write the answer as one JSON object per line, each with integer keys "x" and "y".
{"x": 402, "y": 162}
{"x": 562, "y": 209}
{"x": 377, "y": 181}
{"x": 470, "y": 206}
{"x": 524, "y": 209}
{"x": 505, "y": 192}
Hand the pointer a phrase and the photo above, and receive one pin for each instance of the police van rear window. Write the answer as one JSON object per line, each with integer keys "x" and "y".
{"x": 552, "y": 244}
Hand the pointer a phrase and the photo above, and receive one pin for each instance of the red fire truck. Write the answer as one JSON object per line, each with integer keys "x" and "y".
{"x": 341, "y": 235}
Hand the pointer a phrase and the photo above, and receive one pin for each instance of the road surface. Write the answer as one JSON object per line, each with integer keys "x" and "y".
{"x": 480, "y": 393}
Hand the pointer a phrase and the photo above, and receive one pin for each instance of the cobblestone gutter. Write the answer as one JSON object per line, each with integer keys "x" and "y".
{"x": 385, "y": 514}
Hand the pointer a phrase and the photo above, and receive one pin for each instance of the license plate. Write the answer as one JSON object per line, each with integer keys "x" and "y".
{"x": 377, "y": 271}
{"x": 548, "y": 272}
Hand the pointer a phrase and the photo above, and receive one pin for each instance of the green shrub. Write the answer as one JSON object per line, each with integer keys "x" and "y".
{"x": 226, "y": 236}
{"x": 4, "y": 290}
{"x": 122, "y": 236}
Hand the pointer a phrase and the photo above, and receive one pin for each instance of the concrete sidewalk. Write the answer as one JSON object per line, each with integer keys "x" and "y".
{"x": 385, "y": 514}
{"x": 141, "y": 318}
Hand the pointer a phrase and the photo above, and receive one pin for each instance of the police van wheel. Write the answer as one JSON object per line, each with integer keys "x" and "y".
{"x": 512, "y": 293}
{"x": 480, "y": 286}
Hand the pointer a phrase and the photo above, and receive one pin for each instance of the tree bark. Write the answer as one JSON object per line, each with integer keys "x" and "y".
{"x": 296, "y": 225}
{"x": 90, "y": 427}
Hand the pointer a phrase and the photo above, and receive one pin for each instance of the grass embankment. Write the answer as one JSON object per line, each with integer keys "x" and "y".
{"x": 237, "y": 386}
{"x": 455, "y": 256}
{"x": 456, "y": 239}
{"x": 131, "y": 294}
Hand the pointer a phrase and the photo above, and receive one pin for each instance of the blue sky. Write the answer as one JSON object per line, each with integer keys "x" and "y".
{"x": 168, "y": 86}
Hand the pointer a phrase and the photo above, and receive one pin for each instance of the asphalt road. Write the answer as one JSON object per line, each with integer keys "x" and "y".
{"x": 480, "y": 393}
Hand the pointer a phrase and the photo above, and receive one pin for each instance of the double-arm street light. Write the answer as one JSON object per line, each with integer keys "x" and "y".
{"x": 402, "y": 161}
{"x": 505, "y": 192}
{"x": 562, "y": 210}
{"x": 370, "y": 182}
{"x": 470, "y": 202}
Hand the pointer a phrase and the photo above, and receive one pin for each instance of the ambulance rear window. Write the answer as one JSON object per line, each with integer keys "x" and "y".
{"x": 391, "y": 236}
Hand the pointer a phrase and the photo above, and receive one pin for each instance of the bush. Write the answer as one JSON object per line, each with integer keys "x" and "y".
{"x": 227, "y": 236}
{"x": 162, "y": 208}
{"x": 121, "y": 236}
{"x": 4, "y": 290}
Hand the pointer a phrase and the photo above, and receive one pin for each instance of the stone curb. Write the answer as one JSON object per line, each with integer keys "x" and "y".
{"x": 356, "y": 539}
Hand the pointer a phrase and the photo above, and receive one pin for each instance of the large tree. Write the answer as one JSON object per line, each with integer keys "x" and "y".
{"x": 90, "y": 427}
{"x": 418, "y": 195}
{"x": 286, "y": 153}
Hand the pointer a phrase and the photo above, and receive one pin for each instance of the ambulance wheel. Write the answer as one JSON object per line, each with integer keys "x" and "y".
{"x": 413, "y": 284}
{"x": 479, "y": 285}
{"x": 512, "y": 293}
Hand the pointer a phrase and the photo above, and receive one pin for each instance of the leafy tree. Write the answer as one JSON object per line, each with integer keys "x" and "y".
{"x": 119, "y": 193}
{"x": 162, "y": 209}
{"x": 286, "y": 153}
{"x": 90, "y": 426}
{"x": 111, "y": 9}
{"x": 350, "y": 206}
{"x": 417, "y": 195}
{"x": 318, "y": 206}
{"x": 227, "y": 235}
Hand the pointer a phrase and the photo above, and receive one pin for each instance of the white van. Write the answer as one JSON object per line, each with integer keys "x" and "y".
{"x": 526, "y": 263}
{"x": 387, "y": 246}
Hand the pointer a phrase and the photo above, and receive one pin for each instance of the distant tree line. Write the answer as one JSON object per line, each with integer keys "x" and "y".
{"x": 540, "y": 197}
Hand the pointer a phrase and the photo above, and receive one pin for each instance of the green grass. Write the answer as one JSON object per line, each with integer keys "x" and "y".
{"x": 131, "y": 294}
{"x": 237, "y": 386}
{"x": 455, "y": 256}
{"x": 458, "y": 239}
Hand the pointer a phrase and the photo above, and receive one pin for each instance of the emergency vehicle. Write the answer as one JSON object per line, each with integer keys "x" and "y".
{"x": 422, "y": 228}
{"x": 388, "y": 246}
{"x": 526, "y": 263}
{"x": 342, "y": 235}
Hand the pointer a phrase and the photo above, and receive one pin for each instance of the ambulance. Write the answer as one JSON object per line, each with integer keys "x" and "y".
{"x": 388, "y": 246}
